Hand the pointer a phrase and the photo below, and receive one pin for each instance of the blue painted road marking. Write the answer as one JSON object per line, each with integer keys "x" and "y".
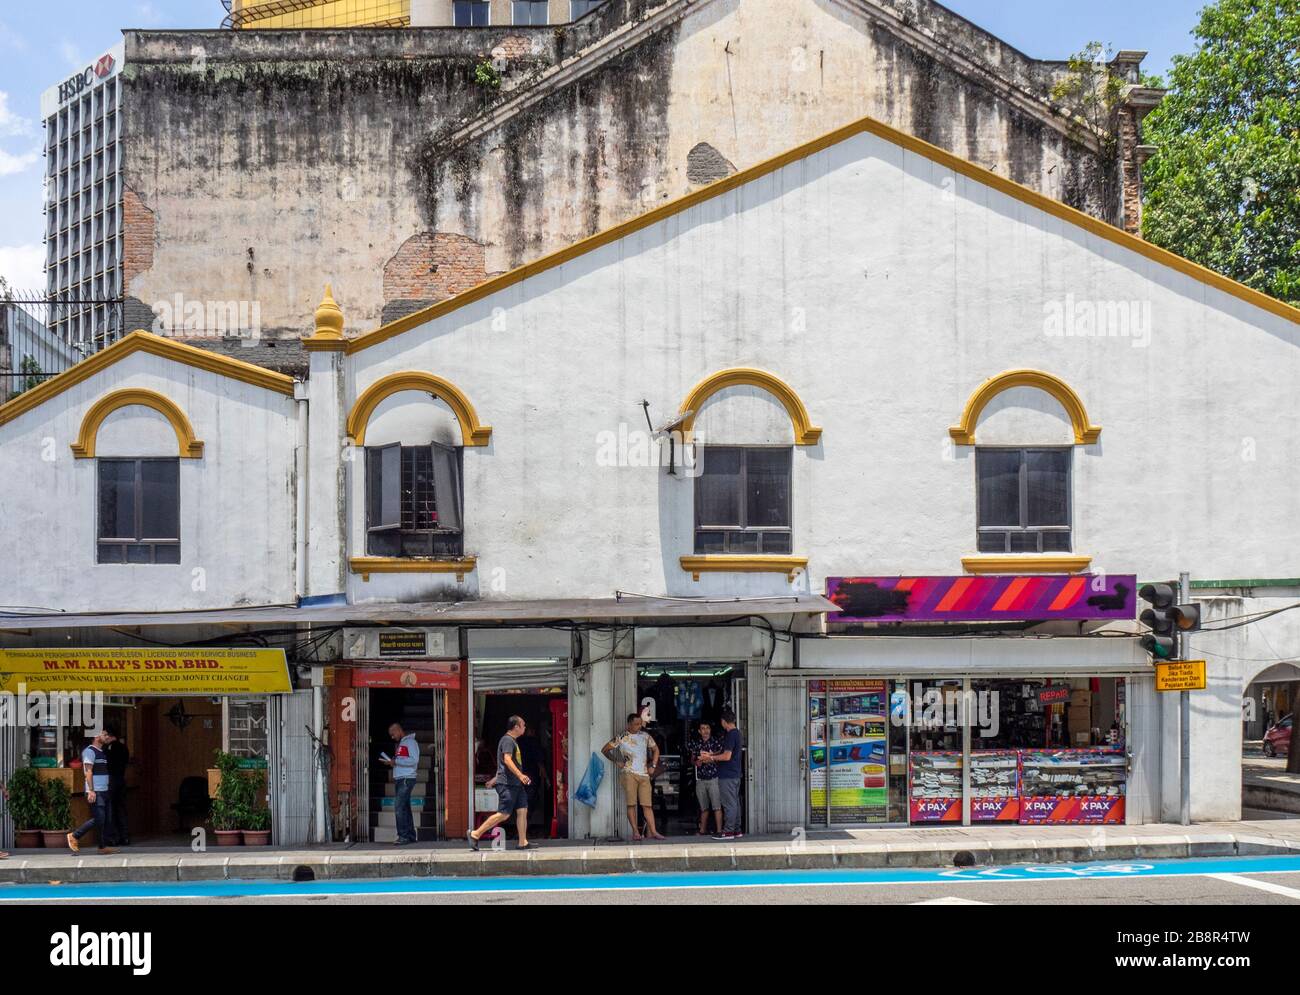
{"x": 1100, "y": 870}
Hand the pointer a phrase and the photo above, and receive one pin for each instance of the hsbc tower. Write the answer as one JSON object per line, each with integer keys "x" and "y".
{"x": 83, "y": 203}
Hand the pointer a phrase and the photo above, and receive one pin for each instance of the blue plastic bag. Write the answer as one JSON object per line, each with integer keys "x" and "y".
{"x": 590, "y": 785}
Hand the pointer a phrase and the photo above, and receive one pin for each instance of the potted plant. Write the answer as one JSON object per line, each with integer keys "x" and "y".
{"x": 227, "y": 806}
{"x": 255, "y": 818}
{"x": 56, "y": 818}
{"x": 26, "y": 806}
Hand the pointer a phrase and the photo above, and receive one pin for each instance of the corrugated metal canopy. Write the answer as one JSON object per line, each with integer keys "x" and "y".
{"x": 614, "y": 610}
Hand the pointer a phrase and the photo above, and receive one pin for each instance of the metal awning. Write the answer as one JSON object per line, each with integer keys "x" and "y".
{"x": 623, "y": 609}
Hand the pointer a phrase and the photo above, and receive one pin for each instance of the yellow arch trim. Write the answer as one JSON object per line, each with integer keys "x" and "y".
{"x": 472, "y": 433}
{"x": 1085, "y": 433}
{"x": 84, "y": 447}
{"x": 805, "y": 432}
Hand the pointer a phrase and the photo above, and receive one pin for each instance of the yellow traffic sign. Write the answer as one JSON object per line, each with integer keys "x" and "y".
{"x": 1180, "y": 675}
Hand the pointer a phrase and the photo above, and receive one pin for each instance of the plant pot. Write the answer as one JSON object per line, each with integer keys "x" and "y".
{"x": 28, "y": 839}
{"x": 228, "y": 837}
{"x": 56, "y": 839}
{"x": 257, "y": 837}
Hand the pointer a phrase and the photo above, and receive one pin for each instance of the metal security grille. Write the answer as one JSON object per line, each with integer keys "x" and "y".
{"x": 419, "y": 508}
{"x": 292, "y": 772}
{"x": 361, "y": 769}
{"x": 8, "y": 764}
{"x": 513, "y": 675}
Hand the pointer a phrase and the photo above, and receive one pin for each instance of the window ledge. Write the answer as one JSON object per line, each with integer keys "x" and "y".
{"x": 367, "y": 565}
{"x": 744, "y": 563}
{"x": 1025, "y": 563}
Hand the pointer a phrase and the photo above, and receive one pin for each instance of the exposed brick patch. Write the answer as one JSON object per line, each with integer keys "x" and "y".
{"x": 139, "y": 237}
{"x": 512, "y": 47}
{"x": 284, "y": 355}
{"x": 433, "y": 266}
{"x": 704, "y": 164}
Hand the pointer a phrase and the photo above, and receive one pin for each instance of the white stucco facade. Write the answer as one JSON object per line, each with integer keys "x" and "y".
{"x": 883, "y": 288}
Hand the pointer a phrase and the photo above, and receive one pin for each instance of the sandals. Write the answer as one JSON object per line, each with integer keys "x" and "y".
{"x": 473, "y": 840}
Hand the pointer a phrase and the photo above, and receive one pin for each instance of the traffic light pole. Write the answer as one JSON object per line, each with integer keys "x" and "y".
{"x": 1185, "y": 715}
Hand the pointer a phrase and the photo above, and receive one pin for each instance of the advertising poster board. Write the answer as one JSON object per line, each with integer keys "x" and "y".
{"x": 847, "y": 750}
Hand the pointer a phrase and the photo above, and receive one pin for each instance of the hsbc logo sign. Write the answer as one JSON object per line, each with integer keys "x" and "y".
{"x": 76, "y": 85}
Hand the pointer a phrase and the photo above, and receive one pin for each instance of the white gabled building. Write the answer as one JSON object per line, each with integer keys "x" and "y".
{"x": 972, "y": 417}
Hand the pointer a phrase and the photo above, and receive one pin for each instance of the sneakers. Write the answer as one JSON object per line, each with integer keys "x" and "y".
{"x": 728, "y": 836}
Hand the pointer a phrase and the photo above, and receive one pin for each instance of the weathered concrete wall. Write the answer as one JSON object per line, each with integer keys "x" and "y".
{"x": 262, "y": 164}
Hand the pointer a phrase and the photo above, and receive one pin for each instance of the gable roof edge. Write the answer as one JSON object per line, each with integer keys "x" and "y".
{"x": 867, "y": 125}
{"x": 155, "y": 345}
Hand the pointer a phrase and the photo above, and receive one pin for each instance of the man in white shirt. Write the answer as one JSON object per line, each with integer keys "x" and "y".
{"x": 635, "y": 754}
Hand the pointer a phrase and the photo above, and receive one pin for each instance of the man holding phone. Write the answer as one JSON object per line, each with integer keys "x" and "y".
{"x": 405, "y": 764}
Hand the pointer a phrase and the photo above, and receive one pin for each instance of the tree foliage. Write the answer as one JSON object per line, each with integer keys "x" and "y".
{"x": 1223, "y": 188}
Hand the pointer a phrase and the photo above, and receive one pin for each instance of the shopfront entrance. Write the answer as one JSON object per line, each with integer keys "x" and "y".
{"x": 934, "y": 751}
{"x": 675, "y": 698}
{"x": 536, "y": 690}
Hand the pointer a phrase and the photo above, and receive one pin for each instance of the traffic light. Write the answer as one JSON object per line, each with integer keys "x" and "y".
{"x": 1161, "y": 642}
{"x": 1166, "y": 620}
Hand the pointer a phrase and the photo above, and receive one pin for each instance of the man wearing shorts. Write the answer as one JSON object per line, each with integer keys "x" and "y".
{"x": 512, "y": 788}
{"x": 635, "y": 754}
{"x": 707, "y": 790}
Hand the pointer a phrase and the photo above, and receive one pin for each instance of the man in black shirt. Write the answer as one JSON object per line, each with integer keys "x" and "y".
{"x": 118, "y": 757}
{"x": 511, "y": 783}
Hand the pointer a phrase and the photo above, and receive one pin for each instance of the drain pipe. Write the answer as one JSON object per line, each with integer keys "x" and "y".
{"x": 300, "y": 474}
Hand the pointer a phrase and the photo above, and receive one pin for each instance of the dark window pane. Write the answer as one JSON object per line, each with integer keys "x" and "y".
{"x": 167, "y": 554}
{"x": 998, "y": 471}
{"x": 580, "y": 8}
{"x": 417, "y": 543}
{"x": 385, "y": 543}
{"x": 768, "y": 486}
{"x": 471, "y": 13}
{"x": 530, "y": 11}
{"x": 1056, "y": 542}
{"x": 110, "y": 553}
{"x": 776, "y": 542}
{"x": 717, "y": 488}
{"x": 1048, "y": 483}
{"x": 1024, "y": 542}
{"x": 116, "y": 499}
{"x": 160, "y": 499}
{"x": 710, "y": 542}
{"x": 139, "y": 553}
{"x": 992, "y": 542}
{"x": 742, "y": 542}
{"x": 447, "y": 544}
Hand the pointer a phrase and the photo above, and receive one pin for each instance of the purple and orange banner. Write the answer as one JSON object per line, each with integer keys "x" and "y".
{"x": 967, "y": 598}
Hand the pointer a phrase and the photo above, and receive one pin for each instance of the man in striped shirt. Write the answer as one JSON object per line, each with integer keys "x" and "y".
{"x": 94, "y": 766}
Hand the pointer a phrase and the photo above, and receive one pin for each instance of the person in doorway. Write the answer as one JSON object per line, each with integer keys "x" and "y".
{"x": 707, "y": 790}
{"x": 406, "y": 764}
{"x": 512, "y": 787}
{"x": 94, "y": 766}
{"x": 635, "y": 754}
{"x": 118, "y": 757}
{"x": 727, "y": 760}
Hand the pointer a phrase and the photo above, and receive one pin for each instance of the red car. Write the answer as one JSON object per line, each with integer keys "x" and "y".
{"x": 1278, "y": 739}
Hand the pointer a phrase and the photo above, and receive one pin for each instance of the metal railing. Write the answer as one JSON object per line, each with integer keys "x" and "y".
{"x": 42, "y": 336}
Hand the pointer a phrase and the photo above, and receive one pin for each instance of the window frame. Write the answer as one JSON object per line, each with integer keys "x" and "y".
{"x": 1023, "y": 506}
{"x": 139, "y": 541}
{"x": 590, "y": 10}
{"x": 533, "y": 5}
{"x": 485, "y": 5}
{"x": 757, "y": 530}
{"x": 405, "y": 538}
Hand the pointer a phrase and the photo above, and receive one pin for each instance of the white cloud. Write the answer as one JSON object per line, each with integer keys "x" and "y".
{"x": 12, "y": 164}
{"x": 24, "y": 267}
{"x": 10, "y": 123}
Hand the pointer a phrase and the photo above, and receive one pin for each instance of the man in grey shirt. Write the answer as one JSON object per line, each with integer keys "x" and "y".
{"x": 511, "y": 783}
{"x": 405, "y": 763}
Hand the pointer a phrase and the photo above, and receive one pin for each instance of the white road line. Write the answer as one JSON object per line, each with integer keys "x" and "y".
{"x": 1269, "y": 886}
{"x": 950, "y": 900}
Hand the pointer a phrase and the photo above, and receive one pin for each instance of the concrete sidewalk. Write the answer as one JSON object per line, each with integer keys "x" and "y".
{"x": 1265, "y": 784}
{"x": 853, "y": 849}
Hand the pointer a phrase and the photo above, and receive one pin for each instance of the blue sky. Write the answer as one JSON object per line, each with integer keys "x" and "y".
{"x": 42, "y": 42}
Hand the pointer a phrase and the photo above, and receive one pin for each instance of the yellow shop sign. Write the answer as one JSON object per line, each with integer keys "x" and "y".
{"x": 147, "y": 671}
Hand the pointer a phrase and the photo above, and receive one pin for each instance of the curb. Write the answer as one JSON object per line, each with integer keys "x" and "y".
{"x": 622, "y": 860}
